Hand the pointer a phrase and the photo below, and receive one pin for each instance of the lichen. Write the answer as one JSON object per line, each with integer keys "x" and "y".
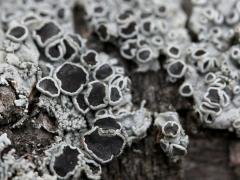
{"x": 80, "y": 97}
{"x": 141, "y": 30}
{"x": 172, "y": 137}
